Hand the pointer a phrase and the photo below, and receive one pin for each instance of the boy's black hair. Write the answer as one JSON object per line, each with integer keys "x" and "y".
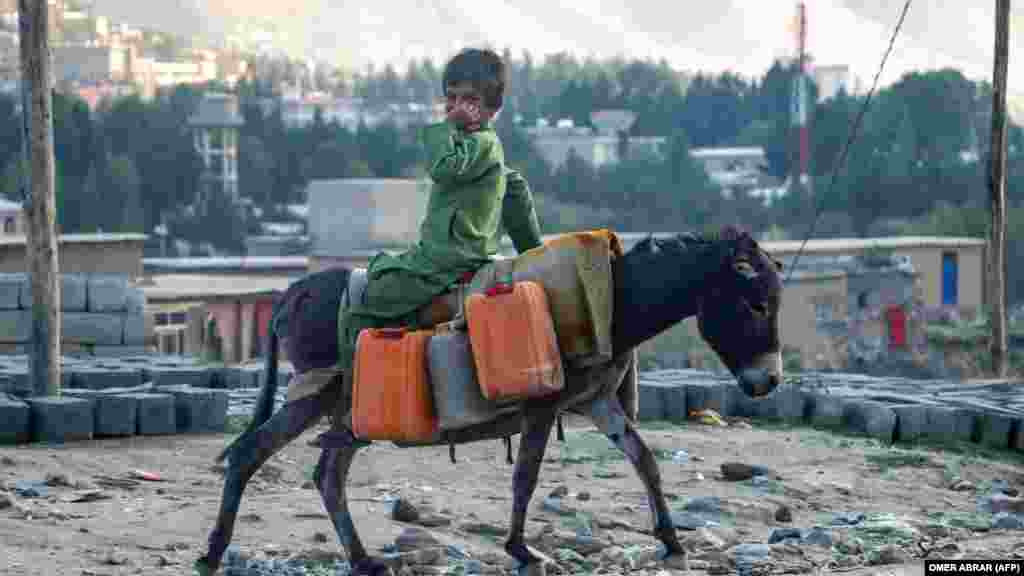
{"x": 482, "y": 68}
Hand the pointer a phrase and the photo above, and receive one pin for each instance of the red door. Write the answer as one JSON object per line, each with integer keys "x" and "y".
{"x": 897, "y": 320}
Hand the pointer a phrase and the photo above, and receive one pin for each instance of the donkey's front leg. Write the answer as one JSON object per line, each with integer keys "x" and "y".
{"x": 609, "y": 417}
{"x": 339, "y": 449}
{"x": 251, "y": 451}
{"x": 538, "y": 419}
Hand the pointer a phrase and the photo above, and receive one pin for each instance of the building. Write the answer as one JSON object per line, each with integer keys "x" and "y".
{"x": 215, "y": 126}
{"x": 90, "y": 63}
{"x": 596, "y": 146}
{"x": 352, "y": 219}
{"x": 831, "y": 79}
{"x": 82, "y": 254}
{"x": 217, "y": 307}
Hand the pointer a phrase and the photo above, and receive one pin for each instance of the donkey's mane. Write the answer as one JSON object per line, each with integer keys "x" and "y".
{"x": 686, "y": 241}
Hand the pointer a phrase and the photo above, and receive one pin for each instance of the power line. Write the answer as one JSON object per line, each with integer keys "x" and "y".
{"x": 852, "y": 136}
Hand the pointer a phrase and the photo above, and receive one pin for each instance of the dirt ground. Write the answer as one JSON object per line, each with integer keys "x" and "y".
{"x": 159, "y": 527}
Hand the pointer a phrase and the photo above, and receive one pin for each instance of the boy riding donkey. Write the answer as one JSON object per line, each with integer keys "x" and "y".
{"x": 474, "y": 195}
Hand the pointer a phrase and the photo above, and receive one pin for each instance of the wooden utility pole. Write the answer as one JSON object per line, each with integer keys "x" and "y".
{"x": 997, "y": 188}
{"x": 40, "y": 195}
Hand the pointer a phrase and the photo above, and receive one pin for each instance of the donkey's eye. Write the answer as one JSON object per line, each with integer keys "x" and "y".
{"x": 758, "y": 307}
{"x": 744, "y": 268}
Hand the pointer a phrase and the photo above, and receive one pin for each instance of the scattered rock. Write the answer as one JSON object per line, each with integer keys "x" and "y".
{"x": 6, "y": 501}
{"x": 960, "y": 485}
{"x": 482, "y": 529}
{"x": 819, "y": 536}
{"x": 556, "y": 505}
{"x": 783, "y": 514}
{"x": 583, "y": 495}
{"x": 403, "y": 511}
{"x": 704, "y": 504}
{"x": 847, "y": 544}
{"x": 848, "y": 519}
{"x": 251, "y": 517}
{"x": 58, "y": 480}
{"x": 560, "y": 492}
{"x": 320, "y": 537}
{"x": 887, "y": 554}
{"x": 1007, "y": 521}
{"x": 703, "y": 539}
{"x": 416, "y": 538}
{"x": 434, "y": 520}
{"x": 779, "y": 534}
{"x": 691, "y": 521}
{"x": 738, "y": 471}
{"x": 31, "y": 489}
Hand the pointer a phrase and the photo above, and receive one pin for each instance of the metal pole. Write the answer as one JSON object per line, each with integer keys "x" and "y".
{"x": 997, "y": 188}
{"x": 40, "y": 200}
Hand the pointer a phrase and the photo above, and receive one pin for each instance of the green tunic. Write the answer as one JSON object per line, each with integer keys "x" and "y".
{"x": 473, "y": 197}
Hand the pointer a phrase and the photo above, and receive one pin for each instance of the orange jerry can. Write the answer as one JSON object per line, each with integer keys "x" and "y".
{"x": 515, "y": 348}
{"x": 391, "y": 394}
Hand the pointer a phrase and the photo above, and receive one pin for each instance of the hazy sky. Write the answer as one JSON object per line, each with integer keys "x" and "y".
{"x": 742, "y": 35}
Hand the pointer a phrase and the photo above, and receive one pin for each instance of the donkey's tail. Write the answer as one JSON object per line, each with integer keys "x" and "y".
{"x": 268, "y": 392}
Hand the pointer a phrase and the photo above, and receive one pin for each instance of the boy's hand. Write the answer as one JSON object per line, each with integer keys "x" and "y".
{"x": 465, "y": 115}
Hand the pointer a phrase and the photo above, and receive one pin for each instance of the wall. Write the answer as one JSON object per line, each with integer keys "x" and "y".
{"x": 970, "y": 286}
{"x": 351, "y": 215}
{"x": 102, "y": 314}
{"x": 82, "y": 254}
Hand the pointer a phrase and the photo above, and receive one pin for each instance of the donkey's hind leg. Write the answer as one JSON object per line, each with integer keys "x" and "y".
{"x": 538, "y": 419}
{"x": 608, "y": 415}
{"x": 253, "y": 449}
{"x": 339, "y": 449}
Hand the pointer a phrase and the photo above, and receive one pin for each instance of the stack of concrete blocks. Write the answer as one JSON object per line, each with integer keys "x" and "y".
{"x": 856, "y": 406}
{"x": 102, "y": 314}
{"x": 123, "y": 396}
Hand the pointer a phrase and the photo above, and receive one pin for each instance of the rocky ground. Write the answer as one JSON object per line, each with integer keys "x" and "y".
{"x": 748, "y": 498}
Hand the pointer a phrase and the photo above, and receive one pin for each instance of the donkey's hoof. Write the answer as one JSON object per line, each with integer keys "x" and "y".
{"x": 675, "y": 560}
{"x": 533, "y": 569}
{"x": 372, "y": 567}
{"x": 204, "y": 567}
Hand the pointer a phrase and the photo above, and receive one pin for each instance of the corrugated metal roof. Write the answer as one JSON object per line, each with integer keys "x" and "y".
{"x": 20, "y": 239}
{"x": 198, "y": 287}
{"x": 225, "y": 262}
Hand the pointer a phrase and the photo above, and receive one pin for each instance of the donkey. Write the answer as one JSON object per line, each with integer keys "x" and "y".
{"x": 726, "y": 280}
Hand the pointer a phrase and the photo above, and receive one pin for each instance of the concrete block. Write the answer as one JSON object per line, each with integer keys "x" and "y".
{"x": 651, "y": 406}
{"x": 14, "y": 421}
{"x": 101, "y": 377}
{"x": 15, "y": 326}
{"x": 199, "y": 409}
{"x": 119, "y": 352}
{"x": 108, "y": 293}
{"x": 155, "y": 414}
{"x": 945, "y": 422}
{"x": 740, "y": 404}
{"x": 994, "y": 430}
{"x": 12, "y": 287}
{"x": 104, "y": 329}
{"x": 708, "y": 396}
{"x": 61, "y": 419}
{"x": 825, "y": 410}
{"x": 74, "y": 290}
{"x": 15, "y": 382}
{"x": 872, "y": 418}
{"x": 133, "y": 330}
{"x": 911, "y": 422}
{"x": 178, "y": 375}
{"x": 785, "y": 403}
{"x": 114, "y": 414}
{"x": 242, "y": 377}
